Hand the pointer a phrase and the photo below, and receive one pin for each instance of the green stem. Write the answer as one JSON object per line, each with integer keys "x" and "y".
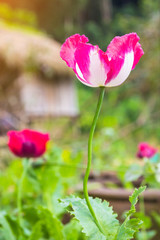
{"x": 142, "y": 210}
{"x": 85, "y": 190}
{"x": 48, "y": 200}
{"x": 20, "y": 185}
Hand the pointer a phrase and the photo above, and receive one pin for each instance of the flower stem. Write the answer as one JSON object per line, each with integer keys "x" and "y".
{"x": 142, "y": 210}
{"x": 26, "y": 163}
{"x": 85, "y": 189}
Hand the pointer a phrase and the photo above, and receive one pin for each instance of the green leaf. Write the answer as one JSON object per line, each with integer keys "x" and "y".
{"x": 37, "y": 231}
{"x": 150, "y": 174}
{"x": 134, "y": 224}
{"x": 130, "y": 226}
{"x": 147, "y": 221}
{"x": 104, "y": 214}
{"x": 147, "y": 235}
{"x": 48, "y": 178}
{"x": 47, "y": 226}
{"x": 30, "y": 215}
{"x": 156, "y": 217}
{"x": 133, "y": 173}
{"x": 6, "y": 229}
{"x": 72, "y": 230}
{"x": 52, "y": 225}
{"x": 15, "y": 227}
{"x": 134, "y": 199}
{"x": 127, "y": 229}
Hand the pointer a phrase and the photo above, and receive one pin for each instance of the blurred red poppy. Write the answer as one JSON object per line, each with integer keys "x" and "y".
{"x": 145, "y": 150}
{"x": 27, "y": 143}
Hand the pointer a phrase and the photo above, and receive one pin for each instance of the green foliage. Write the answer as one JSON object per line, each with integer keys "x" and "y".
{"x": 149, "y": 171}
{"x": 127, "y": 230}
{"x": 52, "y": 176}
{"x": 146, "y": 235}
{"x": 156, "y": 217}
{"x": 104, "y": 214}
{"x": 147, "y": 221}
{"x": 48, "y": 226}
{"x": 121, "y": 129}
{"x": 17, "y": 15}
{"x": 133, "y": 173}
{"x": 47, "y": 179}
{"x": 43, "y": 226}
{"x": 37, "y": 232}
{"x": 20, "y": 19}
{"x": 130, "y": 226}
{"x": 5, "y": 228}
{"x": 107, "y": 219}
{"x": 149, "y": 7}
{"x": 72, "y": 230}
{"x": 133, "y": 200}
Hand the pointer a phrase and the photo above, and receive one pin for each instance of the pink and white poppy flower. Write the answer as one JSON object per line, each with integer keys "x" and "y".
{"x": 96, "y": 68}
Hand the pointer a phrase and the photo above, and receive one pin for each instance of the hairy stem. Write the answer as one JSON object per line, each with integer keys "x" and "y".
{"x": 85, "y": 189}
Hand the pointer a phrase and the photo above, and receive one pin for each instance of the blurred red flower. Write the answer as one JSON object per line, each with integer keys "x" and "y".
{"x": 145, "y": 150}
{"x": 27, "y": 143}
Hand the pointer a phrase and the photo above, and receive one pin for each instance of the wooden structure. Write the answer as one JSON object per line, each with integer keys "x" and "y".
{"x": 34, "y": 81}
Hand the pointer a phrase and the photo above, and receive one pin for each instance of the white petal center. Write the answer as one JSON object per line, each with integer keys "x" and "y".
{"x": 98, "y": 74}
{"x": 124, "y": 72}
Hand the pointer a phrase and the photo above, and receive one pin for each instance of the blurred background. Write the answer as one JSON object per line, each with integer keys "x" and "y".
{"x": 39, "y": 91}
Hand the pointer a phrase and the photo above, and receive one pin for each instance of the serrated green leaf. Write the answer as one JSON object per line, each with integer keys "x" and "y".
{"x": 124, "y": 233}
{"x": 134, "y": 223}
{"x": 130, "y": 226}
{"x": 134, "y": 199}
{"x": 128, "y": 229}
{"x": 104, "y": 214}
{"x": 147, "y": 221}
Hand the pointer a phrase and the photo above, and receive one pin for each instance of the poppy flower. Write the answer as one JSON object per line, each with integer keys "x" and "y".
{"x": 96, "y": 68}
{"x": 27, "y": 143}
{"x": 145, "y": 150}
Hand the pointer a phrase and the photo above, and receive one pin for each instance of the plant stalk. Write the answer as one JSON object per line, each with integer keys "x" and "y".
{"x": 142, "y": 210}
{"x": 93, "y": 126}
{"x": 26, "y": 164}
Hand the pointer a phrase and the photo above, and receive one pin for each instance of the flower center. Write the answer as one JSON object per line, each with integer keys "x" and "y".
{"x": 28, "y": 149}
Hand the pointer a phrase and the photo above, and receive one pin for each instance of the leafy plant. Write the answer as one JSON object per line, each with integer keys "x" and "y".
{"x": 149, "y": 171}
{"x": 108, "y": 219}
